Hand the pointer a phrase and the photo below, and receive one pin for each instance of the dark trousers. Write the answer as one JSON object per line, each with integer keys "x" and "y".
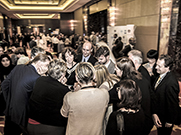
{"x": 148, "y": 126}
{"x": 164, "y": 131}
{"x": 12, "y": 128}
{"x": 42, "y": 129}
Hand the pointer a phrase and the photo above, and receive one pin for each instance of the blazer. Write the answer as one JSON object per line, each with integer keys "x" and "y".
{"x": 16, "y": 90}
{"x": 167, "y": 102}
{"x": 111, "y": 67}
{"x": 46, "y": 101}
{"x": 144, "y": 73}
{"x": 91, "y": 59}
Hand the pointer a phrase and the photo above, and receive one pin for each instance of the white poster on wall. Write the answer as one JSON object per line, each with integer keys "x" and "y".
{"x": 125, "y": 32}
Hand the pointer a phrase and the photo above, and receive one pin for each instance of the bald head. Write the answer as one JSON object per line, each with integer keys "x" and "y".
{"x": 87, "y": 49}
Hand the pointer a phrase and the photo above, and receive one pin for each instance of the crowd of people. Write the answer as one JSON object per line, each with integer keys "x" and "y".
{"x": 79, "y": 86}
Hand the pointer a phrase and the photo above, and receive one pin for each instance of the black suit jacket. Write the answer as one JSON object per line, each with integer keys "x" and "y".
{"x": 167, "y": 102}
{"x": 144, "y": 73}
{"x": 91, "y": 59}
{"x": 46, "y": 101}
{"x": 16, "y": 90}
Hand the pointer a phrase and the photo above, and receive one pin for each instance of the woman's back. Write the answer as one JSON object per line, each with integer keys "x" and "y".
{"x": 133, "y": 123}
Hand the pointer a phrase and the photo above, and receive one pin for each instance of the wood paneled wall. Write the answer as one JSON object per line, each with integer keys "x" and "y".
{"x": 145, "y": 15}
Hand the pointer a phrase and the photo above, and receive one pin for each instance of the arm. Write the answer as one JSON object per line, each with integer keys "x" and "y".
{"x": 104, "y": 87}
{"x": 5, "y": 86}
{"x": 65, "y": 108}
{"x": 172, "y": 101}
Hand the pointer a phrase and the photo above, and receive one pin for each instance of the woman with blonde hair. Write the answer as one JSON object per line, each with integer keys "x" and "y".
{"x": 86, "y": 107}
{"x": 103, "y": 78}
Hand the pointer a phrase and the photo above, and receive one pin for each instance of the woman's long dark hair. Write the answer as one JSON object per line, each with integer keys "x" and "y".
{"x": 130, "y": 95}
{"x": 128, "y": 69}
{"x": 4, "y": 71}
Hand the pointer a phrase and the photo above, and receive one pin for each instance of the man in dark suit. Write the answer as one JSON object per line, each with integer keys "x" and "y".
{"x": 103, "y": 56}
{"x": 137, "y": 58}
{"x": 86, "y": 56}
{"x": 17, "y": 89}
{"x": 165, "y": 111}
{"x": 129, "y": 47}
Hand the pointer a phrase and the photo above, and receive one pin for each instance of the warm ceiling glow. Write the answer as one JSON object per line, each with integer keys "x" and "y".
{"x": 52, "y": 8}
{"x": 34, "y": 16}
{"x": 27, "y": 2}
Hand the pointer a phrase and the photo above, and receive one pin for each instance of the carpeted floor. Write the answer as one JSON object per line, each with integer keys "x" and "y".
{"x": 176, "y": 130}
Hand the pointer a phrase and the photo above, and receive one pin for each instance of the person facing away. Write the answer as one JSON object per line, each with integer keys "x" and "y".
{"x": 17, "y": 89}
{"x": 85, "y": 108}
{"x": 166, "y": 88}
{"x": 117, "y": 47}
{"x": 137, "y": 58}
{"x": 125, "y": 70}
{"x": 132, "y": 122}
{"x": 46, "y": 101}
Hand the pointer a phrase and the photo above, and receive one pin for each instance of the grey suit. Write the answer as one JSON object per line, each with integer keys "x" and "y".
{"x": 111, "y": 68}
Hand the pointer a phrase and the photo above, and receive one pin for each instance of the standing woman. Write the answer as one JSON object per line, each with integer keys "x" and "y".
{"x": 125, "y": 70}
{"x": 69, "y": 56}
{"x": 104, "y": 79}
{"x": 86, "y": 107}
{"x": 5, "y": 68}
{"x": 129, "y": 118}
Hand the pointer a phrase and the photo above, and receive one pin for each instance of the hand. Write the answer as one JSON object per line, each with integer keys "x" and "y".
{"x": 168, "y": 125}
{"x": 156, "y": 121}
{"x": 76, "y": 87}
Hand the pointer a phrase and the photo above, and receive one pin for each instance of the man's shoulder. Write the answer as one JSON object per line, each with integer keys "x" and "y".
{"x": 92, "y": 59}
{"x": 78, "y": 57}
{"x": 111, "y": 63}
{"x": 170, "y": 77}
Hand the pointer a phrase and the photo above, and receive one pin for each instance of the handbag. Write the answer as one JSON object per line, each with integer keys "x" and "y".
{"x": 120, "y": 122}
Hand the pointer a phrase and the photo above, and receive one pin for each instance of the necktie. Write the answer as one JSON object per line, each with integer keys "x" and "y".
{"x": 158, "y": 81}
{"x": 84, "y": 60}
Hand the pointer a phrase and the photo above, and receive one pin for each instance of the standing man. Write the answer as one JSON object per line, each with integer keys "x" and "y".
{"x": 137, "y": 58}
{"x": 17, "y": 89}
{"x": 103, "y": 56}
{"x": 86, "y": 56}
{"x": 165, "y": 111}
{"x": 115, "y": 39}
